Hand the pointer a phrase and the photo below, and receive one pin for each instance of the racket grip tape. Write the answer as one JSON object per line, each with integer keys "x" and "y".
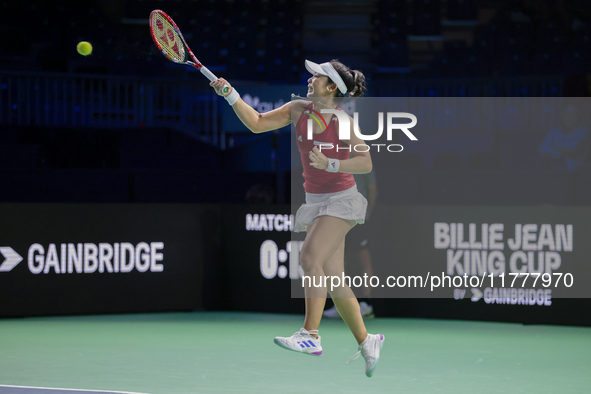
{"x": 205, "y": 71}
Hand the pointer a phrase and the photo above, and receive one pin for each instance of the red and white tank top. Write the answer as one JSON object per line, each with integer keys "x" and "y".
{"x": 318, "y": 181}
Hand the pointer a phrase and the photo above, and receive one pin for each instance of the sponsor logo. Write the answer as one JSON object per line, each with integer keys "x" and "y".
{"x": 11, "y": 259}
{"x": 88, "y": 258}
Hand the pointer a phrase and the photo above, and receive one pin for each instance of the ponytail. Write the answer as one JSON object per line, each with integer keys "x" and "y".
{"x": 354, "y": 79}
{"x": 359, "y": 84}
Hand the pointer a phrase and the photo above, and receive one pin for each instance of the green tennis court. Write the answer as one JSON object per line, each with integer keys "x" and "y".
{"x": 222, "y": 352}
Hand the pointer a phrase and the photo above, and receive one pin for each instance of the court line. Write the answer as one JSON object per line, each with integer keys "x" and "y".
{"x": 56, "y": 388}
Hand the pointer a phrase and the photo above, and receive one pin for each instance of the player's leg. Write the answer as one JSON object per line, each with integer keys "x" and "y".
{"x": 370, "y": 345}
{"x": 322, "y": 240}
{"x": 365, "y": 302}
{"x": 324, "y": 237}
{"x": 358, "y": 255}
{"x": 365, "y": 258}
{"x": 343, "y": 297}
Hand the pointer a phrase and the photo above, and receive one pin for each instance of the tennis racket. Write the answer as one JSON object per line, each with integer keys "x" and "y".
{"x": 169, "y": 40}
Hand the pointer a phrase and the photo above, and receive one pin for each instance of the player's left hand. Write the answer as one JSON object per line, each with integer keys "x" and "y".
{"x": 318, "y": 159}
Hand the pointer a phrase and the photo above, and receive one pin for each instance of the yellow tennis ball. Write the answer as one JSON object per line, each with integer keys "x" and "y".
{"x": 84, "y": 48}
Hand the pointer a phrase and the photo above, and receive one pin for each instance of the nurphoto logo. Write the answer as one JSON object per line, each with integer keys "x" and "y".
{"x": 345, "y": 129}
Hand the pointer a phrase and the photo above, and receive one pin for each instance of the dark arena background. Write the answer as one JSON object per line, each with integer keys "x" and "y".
{"x": 146, "y": 240}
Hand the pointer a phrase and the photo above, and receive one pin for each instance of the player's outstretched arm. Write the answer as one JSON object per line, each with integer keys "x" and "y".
{"x": 255, "y": 121}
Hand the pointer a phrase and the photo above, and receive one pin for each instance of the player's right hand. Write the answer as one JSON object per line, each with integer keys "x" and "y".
{"x": 219, "y": 85}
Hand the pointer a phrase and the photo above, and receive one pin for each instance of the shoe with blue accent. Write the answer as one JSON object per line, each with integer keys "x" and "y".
{"x": 302, "y": 341}
{"x": 370, "y": 350}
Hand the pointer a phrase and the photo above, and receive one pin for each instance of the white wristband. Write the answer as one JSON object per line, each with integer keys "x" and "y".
{"x": 232, "y": 97}
{"x": 333, "y": 165}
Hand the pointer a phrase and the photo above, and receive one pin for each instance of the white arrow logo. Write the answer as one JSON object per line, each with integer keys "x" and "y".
{"x": 476, "y": 294}
{"x": 12, "y": 259}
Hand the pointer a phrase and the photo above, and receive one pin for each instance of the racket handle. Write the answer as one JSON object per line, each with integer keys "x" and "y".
{"x": 205, "y": 71}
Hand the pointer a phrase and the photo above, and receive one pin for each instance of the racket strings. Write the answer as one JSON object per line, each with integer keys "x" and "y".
{"x": 168, "y": 38}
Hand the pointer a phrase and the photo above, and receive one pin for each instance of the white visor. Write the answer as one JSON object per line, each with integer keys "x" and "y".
{"x": 328, "y": 70}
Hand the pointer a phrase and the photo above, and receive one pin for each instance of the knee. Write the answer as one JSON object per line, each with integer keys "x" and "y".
{"x": 342, "y": 291}
{"x": 310, "y": 265}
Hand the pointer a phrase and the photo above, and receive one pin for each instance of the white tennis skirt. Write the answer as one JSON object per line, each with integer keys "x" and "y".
{"x": 347, "y": 204}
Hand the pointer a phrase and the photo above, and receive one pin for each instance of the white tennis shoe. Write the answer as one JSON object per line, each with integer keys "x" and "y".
{"x": 370, "y": 350}
{"x": 302, "y": 342}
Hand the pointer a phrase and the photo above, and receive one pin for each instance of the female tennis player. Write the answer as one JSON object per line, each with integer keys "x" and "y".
{"x": 333, "y": 204}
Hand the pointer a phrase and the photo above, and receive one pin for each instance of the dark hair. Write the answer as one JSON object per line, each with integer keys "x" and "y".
{"x": 354, "y": 79}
